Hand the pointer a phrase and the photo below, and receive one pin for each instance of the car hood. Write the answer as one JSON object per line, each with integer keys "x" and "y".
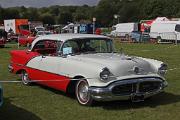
{"x": 118, "y": 64}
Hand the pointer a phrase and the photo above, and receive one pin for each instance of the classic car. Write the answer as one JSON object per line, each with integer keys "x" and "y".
{"x": 88, "y": 66}
{"x": 2, "y": 42}
{"x": 1, "y": 95}
{"x": 25, "y": 41}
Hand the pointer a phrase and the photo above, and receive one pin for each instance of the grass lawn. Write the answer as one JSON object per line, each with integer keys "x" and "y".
{"x": 41, "y": 103}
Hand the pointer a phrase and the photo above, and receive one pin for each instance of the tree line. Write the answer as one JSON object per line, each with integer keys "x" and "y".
{"x": 127, "y": 11}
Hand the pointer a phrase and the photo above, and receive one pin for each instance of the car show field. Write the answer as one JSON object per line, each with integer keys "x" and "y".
{"x": 37, "y": 102}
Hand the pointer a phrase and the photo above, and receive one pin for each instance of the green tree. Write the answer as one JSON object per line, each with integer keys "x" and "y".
{"x": 64, "y": 17}
{"x": 47, "y": 18}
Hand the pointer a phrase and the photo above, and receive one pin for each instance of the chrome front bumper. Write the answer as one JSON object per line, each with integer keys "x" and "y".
{"x": 106, "y": 94}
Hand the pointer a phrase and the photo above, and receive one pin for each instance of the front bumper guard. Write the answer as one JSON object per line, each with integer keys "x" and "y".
{"x": 106, "y": 94}
{"x": 10, "y": 68}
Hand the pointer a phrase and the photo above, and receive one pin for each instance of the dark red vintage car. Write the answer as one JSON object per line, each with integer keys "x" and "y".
{"x": 26, "y": 41}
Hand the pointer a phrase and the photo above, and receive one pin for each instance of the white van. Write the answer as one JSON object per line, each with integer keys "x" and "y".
{"x": 124, "y": 29}
{"x": 165, "y": 30}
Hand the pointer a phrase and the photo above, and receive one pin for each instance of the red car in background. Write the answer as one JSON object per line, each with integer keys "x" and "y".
{"x": 2, "y": 42}
{"x": 26, "y": 41}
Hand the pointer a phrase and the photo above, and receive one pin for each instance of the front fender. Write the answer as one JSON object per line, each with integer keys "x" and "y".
{"x": 154, "y": 63}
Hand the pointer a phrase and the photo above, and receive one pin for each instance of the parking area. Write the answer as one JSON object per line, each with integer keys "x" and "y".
{"x": 37, "y": 102}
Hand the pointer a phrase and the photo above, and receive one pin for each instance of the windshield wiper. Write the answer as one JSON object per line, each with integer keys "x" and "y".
{"x": 89, "y": 52}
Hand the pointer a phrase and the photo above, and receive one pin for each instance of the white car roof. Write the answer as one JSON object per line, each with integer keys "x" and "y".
{"x": 65, "y": 37}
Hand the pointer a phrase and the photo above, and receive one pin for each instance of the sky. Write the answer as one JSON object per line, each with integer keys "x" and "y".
{"x": 45, "y": 3}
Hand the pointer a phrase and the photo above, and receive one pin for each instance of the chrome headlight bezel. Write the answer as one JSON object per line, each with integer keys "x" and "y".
{"x": 162, "y": 69}
{"x": 106, "y": 75}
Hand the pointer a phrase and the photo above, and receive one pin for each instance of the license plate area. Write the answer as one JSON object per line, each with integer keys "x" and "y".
{"x": 137, "y": 98}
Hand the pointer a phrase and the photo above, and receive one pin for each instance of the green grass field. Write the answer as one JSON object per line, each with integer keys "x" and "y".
{"x": 41, "y": 103}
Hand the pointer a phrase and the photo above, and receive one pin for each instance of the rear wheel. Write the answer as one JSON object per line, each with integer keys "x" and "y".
{"x": 25, "y": 78}
{"x": 159, "y": 40}
{"x": 82, "y": 93}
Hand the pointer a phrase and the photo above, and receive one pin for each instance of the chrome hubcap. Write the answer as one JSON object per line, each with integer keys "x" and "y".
{"x": 25, "y": 78}
{"x": 83, "y": 92}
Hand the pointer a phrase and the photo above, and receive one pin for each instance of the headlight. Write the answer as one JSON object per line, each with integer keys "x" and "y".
{"x": 106, "y": 75}
{"x": 163, "y": 69}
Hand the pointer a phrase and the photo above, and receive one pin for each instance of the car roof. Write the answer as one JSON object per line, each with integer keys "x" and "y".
{"x": 67, "y": 36}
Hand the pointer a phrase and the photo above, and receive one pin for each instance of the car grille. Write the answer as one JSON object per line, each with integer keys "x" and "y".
{"x": 139, "y": 87}
{"x": 149, "y": 86}
{"x": 124, "y": 89}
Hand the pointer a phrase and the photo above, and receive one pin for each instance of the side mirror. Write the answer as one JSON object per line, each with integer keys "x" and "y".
{"x": 43, "y": 56}
{"x": 28, "y": 51}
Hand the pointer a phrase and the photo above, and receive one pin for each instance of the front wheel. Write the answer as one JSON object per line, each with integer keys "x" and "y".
{"x": 82, "y": 93}
{"x": 25, "y": 78}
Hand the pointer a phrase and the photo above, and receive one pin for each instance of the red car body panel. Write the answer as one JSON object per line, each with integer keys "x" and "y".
{"x": 49, "y": 79}
{"x": 19, "y": 59}
{"x": 23, "y": 41}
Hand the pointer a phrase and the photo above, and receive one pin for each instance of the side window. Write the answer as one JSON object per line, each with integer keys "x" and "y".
{"x": 177, "y": 28}
{"x": 46, "y": 47}
{"x": 70, "y": 47}
{"x": 39, "y": 45}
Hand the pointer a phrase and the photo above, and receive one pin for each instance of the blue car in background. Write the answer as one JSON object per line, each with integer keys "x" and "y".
{"x": 137, "y": 36}
{"x": 1, "y": 95}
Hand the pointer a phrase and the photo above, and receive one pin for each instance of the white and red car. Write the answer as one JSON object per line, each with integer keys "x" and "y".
{"x": 88, "y": 66}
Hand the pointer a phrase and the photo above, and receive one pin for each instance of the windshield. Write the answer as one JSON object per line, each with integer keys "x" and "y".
{"x": 40, "y": 33}
{"x": 24, "y": 27}
{"x": 177, "y": 28}
{"x": 84, "y": 46}
{"x": 47, "y": 33}
{"x": 40, "y": 29}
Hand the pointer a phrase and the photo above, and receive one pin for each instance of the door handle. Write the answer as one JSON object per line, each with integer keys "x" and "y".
{"x": 43, "y": 56}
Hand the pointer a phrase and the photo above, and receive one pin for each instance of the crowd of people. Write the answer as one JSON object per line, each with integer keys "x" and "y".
{"x": 3, "y": 34}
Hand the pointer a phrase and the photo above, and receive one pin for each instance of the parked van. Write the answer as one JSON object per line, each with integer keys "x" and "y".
{"x": 124, "y": 29}
{"x": 165, "y": 30}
